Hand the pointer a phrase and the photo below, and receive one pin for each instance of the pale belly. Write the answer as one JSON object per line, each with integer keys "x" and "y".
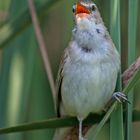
{"x": 87, "y": 89}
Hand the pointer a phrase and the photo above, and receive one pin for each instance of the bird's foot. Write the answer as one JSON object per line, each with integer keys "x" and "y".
{"x": 120, "y": 97}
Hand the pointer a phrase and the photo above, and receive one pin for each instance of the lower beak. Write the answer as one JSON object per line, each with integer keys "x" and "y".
{"x": 82, "y": 15}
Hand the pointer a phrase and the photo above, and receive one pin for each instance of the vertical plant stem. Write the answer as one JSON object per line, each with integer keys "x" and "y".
{"x": 116, "y": 122}
{"x": 42, "y": 46}
{"x": 132, "y": 25}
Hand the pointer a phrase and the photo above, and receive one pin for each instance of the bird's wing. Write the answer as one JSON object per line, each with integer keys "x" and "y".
{"x": 59, "y": 81}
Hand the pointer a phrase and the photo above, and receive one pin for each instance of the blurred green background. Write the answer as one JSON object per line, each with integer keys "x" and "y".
{"x": 25, "y": 95}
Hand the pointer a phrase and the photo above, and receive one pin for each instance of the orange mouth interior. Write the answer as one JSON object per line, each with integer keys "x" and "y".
{"x": 81, "y": 9}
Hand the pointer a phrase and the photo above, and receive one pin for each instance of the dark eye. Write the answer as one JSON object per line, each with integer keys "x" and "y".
{"x": 93, "y": 8}
{"x": 74, "y": 8}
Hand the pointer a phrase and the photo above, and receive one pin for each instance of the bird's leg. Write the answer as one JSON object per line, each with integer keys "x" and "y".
{"x": 80, "y": 129}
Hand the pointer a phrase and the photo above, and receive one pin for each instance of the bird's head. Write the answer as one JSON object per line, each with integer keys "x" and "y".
{"x": 86, "y": 11}
{"x": 89, "y": 27}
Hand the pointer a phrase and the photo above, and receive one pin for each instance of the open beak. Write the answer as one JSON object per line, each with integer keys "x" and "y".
{"x": 81, "y": 9}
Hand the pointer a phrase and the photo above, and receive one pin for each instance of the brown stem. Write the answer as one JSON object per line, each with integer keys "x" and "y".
{"x": 42, "y": 46}
{"x": 130, "y": 71}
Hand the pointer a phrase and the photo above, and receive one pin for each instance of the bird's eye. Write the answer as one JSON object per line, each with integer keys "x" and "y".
{"x": 93, "y": 8}
{"x": 74, "y": 8}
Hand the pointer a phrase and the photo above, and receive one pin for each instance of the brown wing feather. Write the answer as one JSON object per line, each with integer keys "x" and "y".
{"x": 59, "y": 82}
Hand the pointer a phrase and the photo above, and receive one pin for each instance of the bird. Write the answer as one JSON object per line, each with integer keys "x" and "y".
{"x": 88, "y": 70}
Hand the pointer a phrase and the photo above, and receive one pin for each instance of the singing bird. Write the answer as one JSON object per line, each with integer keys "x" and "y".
{"x": 88, "y": 70}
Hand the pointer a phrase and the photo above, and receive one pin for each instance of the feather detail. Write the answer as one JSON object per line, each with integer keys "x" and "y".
{"x": 59, "y": 83}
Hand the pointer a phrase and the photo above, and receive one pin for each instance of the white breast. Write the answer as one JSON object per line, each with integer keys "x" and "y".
{"x": 89, "y": 81}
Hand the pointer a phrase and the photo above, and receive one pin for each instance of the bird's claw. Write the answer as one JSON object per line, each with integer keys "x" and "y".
{"x": 120, "y": 97}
